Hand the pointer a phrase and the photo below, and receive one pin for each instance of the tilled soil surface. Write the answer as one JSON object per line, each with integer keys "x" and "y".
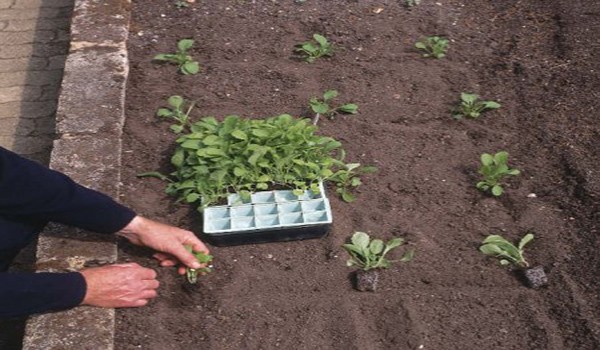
{"x": 539, "y": 59}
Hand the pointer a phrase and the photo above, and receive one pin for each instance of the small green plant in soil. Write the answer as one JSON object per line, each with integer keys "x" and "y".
{"x": 323, "y": 107}
{"x": 317, "y": 48}
{"x": 181, "y": 58}
{"x": 179, "y": 110}
{"x": 411, "y": 3}
{"x": 180, "y": 4}
{"x": 511, "y": 255}
{"x": 471, "y": 107}
{"x": 494, "y": 169}
{"x": 214, "y": 159}
{"x": 369, "y": 255}
{"x": 203, "y": 258}
{"x": 433, "y": 46}
{"x": 508, "y": 253}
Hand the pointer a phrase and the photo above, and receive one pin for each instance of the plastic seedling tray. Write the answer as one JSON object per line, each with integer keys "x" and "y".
{"x": 269, "y": 216}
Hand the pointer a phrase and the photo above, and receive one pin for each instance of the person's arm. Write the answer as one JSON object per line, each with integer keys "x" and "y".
{"x": 29, "y": 191}
{"x": 28, "y": 293}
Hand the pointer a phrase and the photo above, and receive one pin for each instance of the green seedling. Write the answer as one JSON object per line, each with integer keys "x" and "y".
{"x": 181, "y": 58}
{"x": 203, "y": 258}
{"x": 216, "y": 158}
{"x": 411, "y": 3}
{"x": 175, "y": 111}
{"x": 180, "y": 4}
{"x": 311, "y": 50}
{"x": 323, "y": 107}
{"x": 348, "y": 178}
{"x": 494, "y": 168}
{"x": 497, "y": 246}
{"x": 471, "y": 107}
{"x": 433, "y": 46}
{"x": 370, "y": 254}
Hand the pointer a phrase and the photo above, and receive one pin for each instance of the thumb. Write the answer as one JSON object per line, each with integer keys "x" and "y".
{"x": 186, "y": 258}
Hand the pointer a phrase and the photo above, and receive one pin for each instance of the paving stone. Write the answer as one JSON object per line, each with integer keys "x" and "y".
{"x": 21, "y": 64}
{"x": 27, "y": 37}
{"x": 33, "y": 13}
{"x": 42, "y": 3}
{"x": 28, "y": 144}
{"x": 37, "y": 50}
{"x": 17, "y": 126}
{"x": 4, "y": 4}
{"x": 37, "y": 24}
{"x": 20, "y": 93}
{"x": 29, "y": 110}
{"x": 56, "y": 62}
{"x": 36, "y": 78}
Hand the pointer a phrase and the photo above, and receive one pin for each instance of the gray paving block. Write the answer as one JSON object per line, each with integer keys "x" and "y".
{"x": 100, "y": 21}
{"x": 107, "y": 68}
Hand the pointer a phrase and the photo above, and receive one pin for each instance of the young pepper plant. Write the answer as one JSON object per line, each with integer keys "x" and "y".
{"x": 471, "y": 107}
{"x": 186, "y": 63}
{"x": 203, "y": 258}
{"x": 494, "y": 168}
{"x": 311, "y": 50}
{"x": 175, "y": 111}
{"x": 370, "y": 254}
{"x": 433, "y": 46}
{"x": 498, "y": 246}
{"x": 323, "y": 107}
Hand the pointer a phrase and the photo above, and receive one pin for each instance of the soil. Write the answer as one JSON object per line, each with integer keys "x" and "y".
{"x": 539, "y": 59}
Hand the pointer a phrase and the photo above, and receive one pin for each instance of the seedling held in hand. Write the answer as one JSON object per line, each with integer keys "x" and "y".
{"x": 433, "y": 46}
{"x": 203, "y": 258}
{"x": 369, "y": 255}
{"x": 181, "y": 4}
{"x": 471, "y": 107}
{"x": 493, "y": 169}
{"x": 185, "y": 62}
{"x": 176, "y": 112}
{"x": 322, "y": 107}
{"x": 311, "y": 50}
{"x": 498, "y": 246}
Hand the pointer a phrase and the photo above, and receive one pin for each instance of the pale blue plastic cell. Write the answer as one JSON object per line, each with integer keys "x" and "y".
{"x": 267, "y": 221}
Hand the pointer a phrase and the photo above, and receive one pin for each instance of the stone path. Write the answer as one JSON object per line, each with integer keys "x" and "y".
{"x": 34, "y": 41}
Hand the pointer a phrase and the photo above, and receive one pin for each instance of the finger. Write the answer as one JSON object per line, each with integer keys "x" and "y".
{"x": 139, "y": 303}
{"x": 149, "y": 294}
{"x": 151, "y": 284}
{"x": 168, "y": 263}
{"x": 145, "y": 273}
{"x": 127, "y": 265}
{"x": 199, "y": 246}
{"x": 184, "y": 256}
{"x": 161, "y": 256}
{"x": 181, "y": 270}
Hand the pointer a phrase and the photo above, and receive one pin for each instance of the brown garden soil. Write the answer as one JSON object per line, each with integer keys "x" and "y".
{"x": 538, "y": 58}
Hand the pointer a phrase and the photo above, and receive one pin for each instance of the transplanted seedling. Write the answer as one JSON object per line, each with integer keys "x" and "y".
{"x": 411, "y": 3}
{"x": 369, "y": 255}
{"x": 311, "y": 50}
{"x": 498, "y": 246}
{"x": 511, "y": 255}
{"x": 175, "y": 111}
{"x": 471, "y": 107}
{"x": 494, "y": 168}
{"x": 185, "y": 62}
{"x": 203, "y": 258}
{"x": 323, "y": 107}
{"x": 433, "y": 46}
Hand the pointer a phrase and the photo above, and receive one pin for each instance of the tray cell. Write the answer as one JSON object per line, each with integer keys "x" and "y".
{"x": 267, "y": 221}
{"x": 293, "y": 218}
{"x": 316, "y": 216}
{"x": 285, "y": 208}
{"x": 242, "y": 223}
{"x": 265, "y": 209}
{"x": 313, "y": 205}
{"x": 242, "y": 211}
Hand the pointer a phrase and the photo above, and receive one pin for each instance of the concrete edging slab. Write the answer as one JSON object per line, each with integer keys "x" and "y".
{"x": 90, "y": 120}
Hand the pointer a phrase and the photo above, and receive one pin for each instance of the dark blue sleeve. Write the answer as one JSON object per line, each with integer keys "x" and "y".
{"x": 24, "y": 294}
{"x": 29, "y": 191}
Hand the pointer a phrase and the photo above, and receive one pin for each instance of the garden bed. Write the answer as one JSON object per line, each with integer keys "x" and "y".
{"x": 534, "y": 57}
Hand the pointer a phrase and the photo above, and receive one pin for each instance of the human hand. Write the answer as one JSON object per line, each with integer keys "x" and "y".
{"x": 120, "y": 285}
{"x": 170, "y": 241}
